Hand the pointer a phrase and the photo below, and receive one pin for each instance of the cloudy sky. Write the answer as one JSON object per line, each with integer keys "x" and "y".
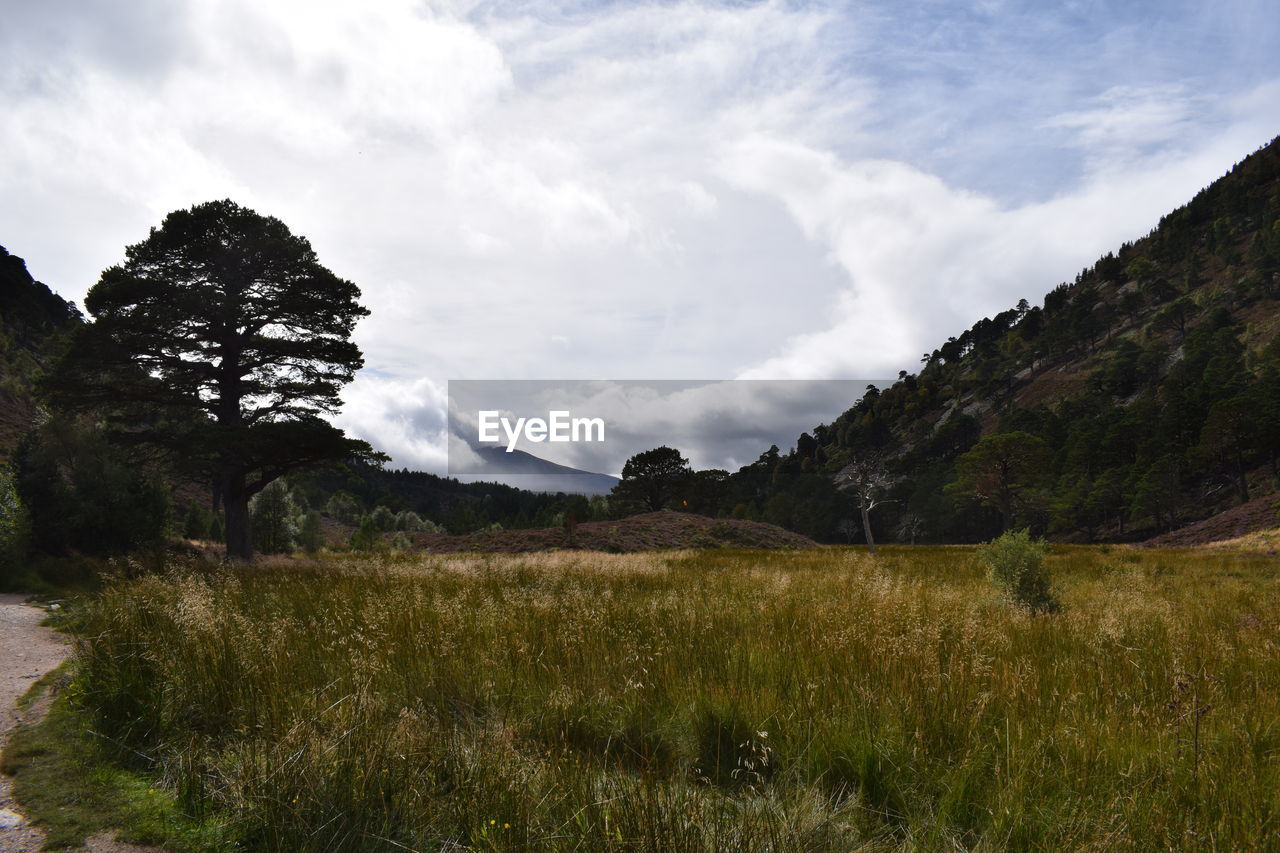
{"x": 623, "y": 190}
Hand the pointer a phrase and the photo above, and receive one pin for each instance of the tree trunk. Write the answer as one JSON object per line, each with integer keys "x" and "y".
{"x": 1242, "y": 482}
{"x": 866, "y": 529}
{"x": 235, "y": 499}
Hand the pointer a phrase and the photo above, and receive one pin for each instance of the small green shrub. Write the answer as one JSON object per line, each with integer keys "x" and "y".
{"x": 366, "y": 536}
{"x": 196, "y": 522}
{"x": 1015, "y": 563}
{"x": 311, "y": 533}
{"x": 273, "y": 519}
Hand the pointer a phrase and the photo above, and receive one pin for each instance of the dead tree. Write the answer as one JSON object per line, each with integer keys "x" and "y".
{"x": 867, "y": 479}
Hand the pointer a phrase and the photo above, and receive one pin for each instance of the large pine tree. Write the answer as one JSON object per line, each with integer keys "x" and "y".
{"x": 222, "y": 338}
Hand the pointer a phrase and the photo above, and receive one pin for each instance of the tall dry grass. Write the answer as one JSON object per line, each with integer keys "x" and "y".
{"x": 820, "y": 700}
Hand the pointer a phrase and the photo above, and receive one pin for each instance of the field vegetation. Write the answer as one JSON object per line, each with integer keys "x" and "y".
{"x": 709, "y": 700}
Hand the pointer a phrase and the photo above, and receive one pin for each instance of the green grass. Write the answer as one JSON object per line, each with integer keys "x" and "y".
{"x": 722, "y": 700}
{"x": 73, "y": 785}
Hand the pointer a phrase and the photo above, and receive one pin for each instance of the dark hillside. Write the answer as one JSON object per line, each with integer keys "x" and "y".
{"x": 459, "y": 507}
{"x": 31, "y": 316}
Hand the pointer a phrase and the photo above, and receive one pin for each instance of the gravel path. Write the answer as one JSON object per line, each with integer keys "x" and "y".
{"x": 27, "y": 651}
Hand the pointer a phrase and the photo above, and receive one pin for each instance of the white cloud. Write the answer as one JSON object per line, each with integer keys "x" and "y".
{"x": 1124, "y": 121}
{"x": 925, "y": 260}
{"x": 685, "y": 189}
{"x": 404, "y": 418}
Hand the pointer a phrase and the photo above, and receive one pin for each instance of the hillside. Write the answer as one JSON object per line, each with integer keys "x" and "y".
{"x": 460, "y": 507}
{"x": 1256, "y": 516}
{"x": 31, "y": 315}
{"x": 1152, "y": 381}
{"x": 654, "y": 531}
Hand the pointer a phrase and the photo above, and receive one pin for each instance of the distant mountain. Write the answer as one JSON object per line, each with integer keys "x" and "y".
{"x": 535, "y": 474}
{"x": 1152, "y": 380}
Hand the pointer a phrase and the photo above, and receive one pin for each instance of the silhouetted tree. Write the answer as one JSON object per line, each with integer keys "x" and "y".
{"x": 653, "y": 478}
{"x": 311, "y": 532}
{"x": 222, "y": 338}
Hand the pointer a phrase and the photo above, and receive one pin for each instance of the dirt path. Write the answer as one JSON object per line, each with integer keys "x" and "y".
{"x": 27, "y": 651}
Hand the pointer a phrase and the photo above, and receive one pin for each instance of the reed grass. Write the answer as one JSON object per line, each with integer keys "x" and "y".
{"x": 715, "y": 700}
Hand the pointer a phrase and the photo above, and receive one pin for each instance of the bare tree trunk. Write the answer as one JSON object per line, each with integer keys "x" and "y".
{"x": 866, "y": 529}
{"x": 236, "y": 501}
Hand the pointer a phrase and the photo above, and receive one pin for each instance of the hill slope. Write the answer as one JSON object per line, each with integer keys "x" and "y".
{"x": 1152, "y": 380}
{"x": 654, "y": 531}
{"x": 31, "y": 315}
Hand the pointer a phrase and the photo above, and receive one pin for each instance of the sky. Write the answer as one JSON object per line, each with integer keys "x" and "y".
{"x": 687, "y": 190}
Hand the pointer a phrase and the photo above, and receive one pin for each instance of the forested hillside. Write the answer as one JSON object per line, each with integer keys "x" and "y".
{"x": 1141, "y": 396}
{"x": 30, "y": 316}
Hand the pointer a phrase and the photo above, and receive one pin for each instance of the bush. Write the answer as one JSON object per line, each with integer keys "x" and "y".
{"x": 197, "y": 522}
{"x": 84, "y": 494}
{"x": 343, "y": 506}
{"x": 15, "y": 528}
{"x": 1015, "y": 563}
{"x": 366, "y": 537}
{"x": 272, "y": 517}
{"x": 311, "y": 533}
{"x": 383, "y": 518}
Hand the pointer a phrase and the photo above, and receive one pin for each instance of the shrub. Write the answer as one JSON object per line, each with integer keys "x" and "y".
{"x": 196, "y": 522}
{"x": 311, "y": 533}
{"x": 1015, "y": 563}
{"x": 383, "y": 518}
{"x": 15, "y": 527}
{"x": 84, "y": 494}
{"x": 343, "y": 506}
{"x": 410, "y": 522}
{"x": 366, "y": 536}
{"x": 272, "y": 517}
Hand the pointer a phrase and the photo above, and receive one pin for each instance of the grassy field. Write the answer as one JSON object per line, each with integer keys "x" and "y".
{"x": 717, "y": 700}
